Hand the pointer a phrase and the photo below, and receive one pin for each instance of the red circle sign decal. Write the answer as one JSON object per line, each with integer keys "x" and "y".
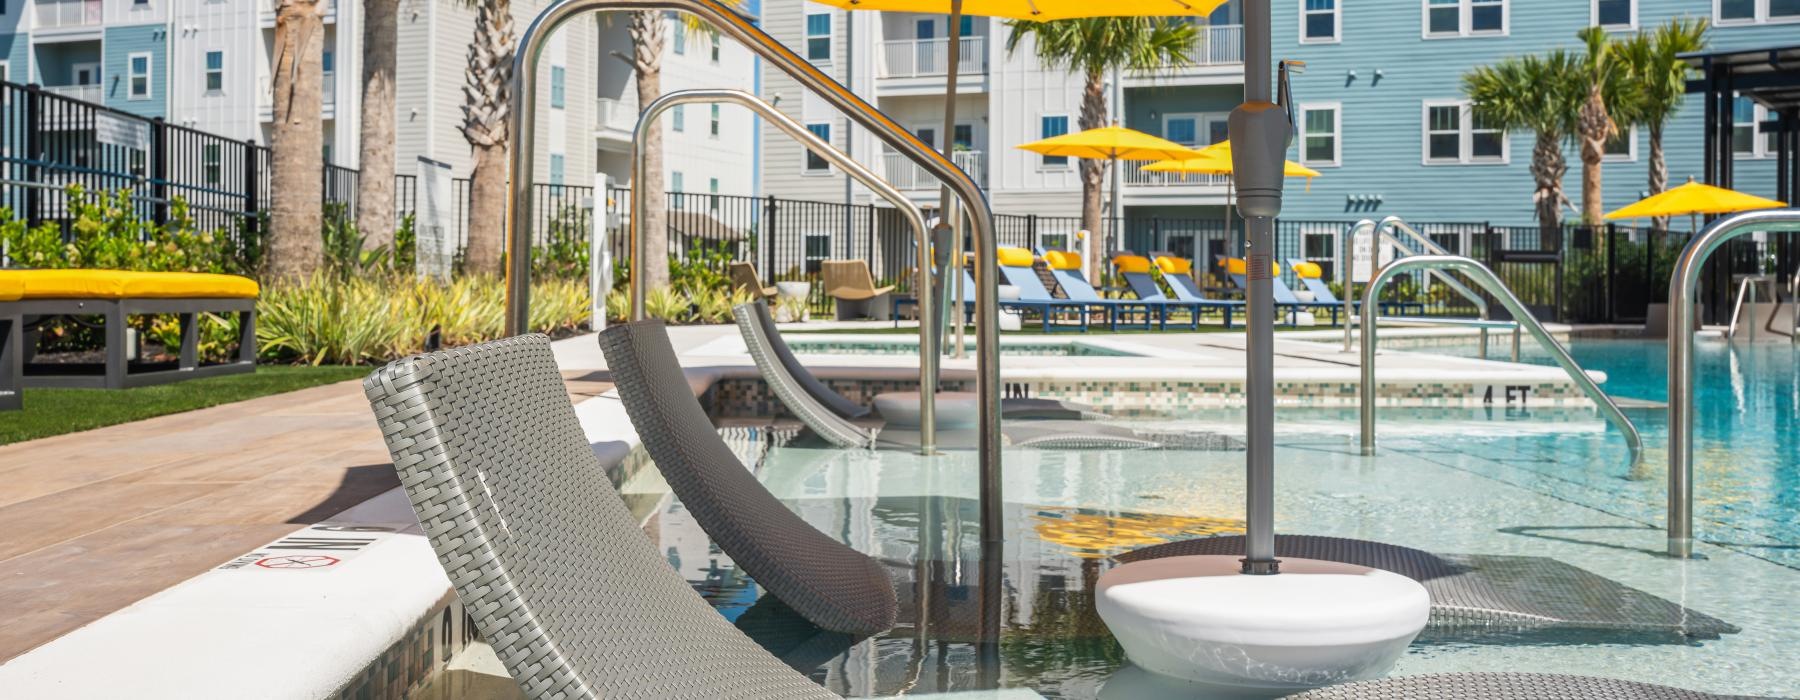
{"x": 296, "y": 562}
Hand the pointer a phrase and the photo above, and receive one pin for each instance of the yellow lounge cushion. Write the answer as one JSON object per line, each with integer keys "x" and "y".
{"x": 1237, "y": 266}
{"x": 11, "y": 287}
{"x": 1174, "y": 266}
{"x": 122, "y": 284}
{"x": 1015, "y": 257}
{"x": 1062, "y": 260}
{"x": 1130, "y": 264}
{"x": 1308, "y": 270}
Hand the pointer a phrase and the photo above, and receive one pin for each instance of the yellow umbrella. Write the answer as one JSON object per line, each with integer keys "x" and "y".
{"x": 1694, "y": 198}
{"x": 1040, "y": 10}
{"x": 1111, "y": 143}
{"x": 1216, "y": 160}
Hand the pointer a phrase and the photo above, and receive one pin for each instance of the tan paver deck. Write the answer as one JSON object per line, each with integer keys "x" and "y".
{"x": 97, "y": 520}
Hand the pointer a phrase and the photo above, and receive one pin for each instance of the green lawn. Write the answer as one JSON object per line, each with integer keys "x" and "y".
{"x": 57, "y": 411}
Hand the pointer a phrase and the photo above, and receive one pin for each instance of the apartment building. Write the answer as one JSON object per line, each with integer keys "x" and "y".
{"x": 1383, "y": 117}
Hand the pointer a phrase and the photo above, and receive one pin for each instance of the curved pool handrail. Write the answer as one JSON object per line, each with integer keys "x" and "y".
{"x": 523, "y": 95}
{"x": 640, "y": 207}
{"x": 1486, "y": 279}
{"x": 1431, "y": 248}
{"x": 1380, "y": 229}
{"x": 1682, "y": 283}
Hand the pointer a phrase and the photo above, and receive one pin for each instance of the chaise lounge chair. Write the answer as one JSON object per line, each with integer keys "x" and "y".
{"x": 1136, "y": 271}
{"x": 1016, "y": 269}
{"x": 1312, "y": 276}
{"x": 1235, "y": 269}
{"x": 744, "y": 278}
{"x": 835, "y": 587}
{"x": 850, "y": 283}
{"x": 1066, "y": 268}
{"x": 117, "y": 295}
{"x": 556, "y": 574}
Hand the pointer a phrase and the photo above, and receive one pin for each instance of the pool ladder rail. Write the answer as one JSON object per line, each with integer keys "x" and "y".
{"x": 1381, "y": 235}
{"x": 1488, "y": 281}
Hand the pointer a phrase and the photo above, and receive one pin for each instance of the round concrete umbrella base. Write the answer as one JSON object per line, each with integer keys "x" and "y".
{"x": 956, "y": 410}
{"x": 1316, "y": 623}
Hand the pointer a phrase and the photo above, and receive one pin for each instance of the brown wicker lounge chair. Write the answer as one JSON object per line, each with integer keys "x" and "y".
{"x": 744, "y": 278}
{"x": 850, "y": 283}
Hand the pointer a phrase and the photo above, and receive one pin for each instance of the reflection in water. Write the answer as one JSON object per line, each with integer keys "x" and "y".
{"x": 1093, "y": 535}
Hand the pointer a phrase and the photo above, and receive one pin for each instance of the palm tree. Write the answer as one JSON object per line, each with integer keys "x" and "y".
{"x": 296, "y": 140}
{"x": 1609, "y": 95}
{"x": 1094, "y": 47}
{"x": 649, "y": 31}
{"x": 1653, "y": 63}
{"x": 1543, "y": 94}
{"x": 375, "y": 186}
{"x": 485, "y": 113}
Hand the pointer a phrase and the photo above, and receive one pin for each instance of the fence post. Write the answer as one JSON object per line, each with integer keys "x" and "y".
{"x": 1562, "y": 243}
{"x": 870, "y": 251}
{"x": 1031, "y": 234}
{"x": 769, "y": 237}
{"x": 159, "y": 169}
{"x": 33, "y": 146}
{"x": 1612, "y": 259}
{"x": 252, "y": 190}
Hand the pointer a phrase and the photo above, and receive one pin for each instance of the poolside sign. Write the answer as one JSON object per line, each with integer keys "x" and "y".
{"x": 1362, "y": 255}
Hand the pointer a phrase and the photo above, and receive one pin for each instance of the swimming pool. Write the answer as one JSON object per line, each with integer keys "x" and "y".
{"x": 1516, "y": 482}
{"x": 910, "y": 346}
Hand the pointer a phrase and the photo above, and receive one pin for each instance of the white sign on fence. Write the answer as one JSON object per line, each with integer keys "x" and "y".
{"x": 119, "y": 131}
{"x": 435, "y": 244}
{"x": 1362, "y": 256}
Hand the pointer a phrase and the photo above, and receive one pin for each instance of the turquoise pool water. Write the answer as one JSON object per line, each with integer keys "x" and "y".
{"x": 904, "y": 346}
{"x": 1554, "y": 484}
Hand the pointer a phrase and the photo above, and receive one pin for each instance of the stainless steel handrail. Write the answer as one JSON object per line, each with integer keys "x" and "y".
{"x": 1486, "y": 279}
{"x": 640, "y": 163}
{"x": 523, "y": 95}
{"x": 1351, "y": 320}
{"x": 1682, "y": 283}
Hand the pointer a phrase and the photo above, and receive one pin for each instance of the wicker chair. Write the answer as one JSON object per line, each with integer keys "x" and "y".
{"x": 850, "y": 283}
{"x": 834, "y": 586}
{"x": 556, "y": 574}
{"x": 744, "y": 278}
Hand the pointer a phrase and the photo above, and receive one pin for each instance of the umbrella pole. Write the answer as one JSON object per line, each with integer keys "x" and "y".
{"x": 954, "y": 49}
{"x": 1252, "y": 126}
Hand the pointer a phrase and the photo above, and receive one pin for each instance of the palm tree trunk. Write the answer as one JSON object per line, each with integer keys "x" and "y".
{"x": 1595, "y": 127}
{"x": 649, "y": 37}
{"x": 296, "y": 141}
{"x": 375, "y": 186}
{"x": 1548, "y": 168}
{"x": 1093, "y": 171}
{"x": 485, "y": 115}
{"x": 1659, "y": 173}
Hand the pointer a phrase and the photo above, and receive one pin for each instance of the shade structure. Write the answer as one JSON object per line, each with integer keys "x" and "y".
{"x": 1041, "y": 10}
{"x": 1694, "y": 198}
{"x": 1111, "y": 143}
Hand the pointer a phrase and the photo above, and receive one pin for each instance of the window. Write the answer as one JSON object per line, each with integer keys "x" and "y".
{"x": 815, "y": 164}
{"x": 1454, "y": 135}
{"x": 328, "y": 84}
{"x": 141, "y": 3}
{"x": 963, "y": 138}
{"x": 680, "y": 39}
{"x": 679, "y": 116}
{"x": 712, "y": 126}
{"x": 1729, "y": 12}
{"x": 1456, "y": 18}
{"x": 138, "y": 68}
{"x": 1182, "y": 128}
{"x": 215, "y": 72}
{"x": 818, "y": 37}
{"x": 1749, "y": 137}
{"x": 966, "y": 27}
{"x": 1318, "y": 21}
{"x": 1622, "y": 147}
{"x": 677, "y": 184}
{"x": 210, "y": 168}
{"x": 558, "y": 87}
{"x": 818, "y": 248}
{"x": 1615, "y": 14}
{"x": 715, "y": 47}
{"x": 712, "y": 185}
{"x": 1054, "y": 125}
{"x": 1319, "y": 134}
{"x": 558, "y": 170}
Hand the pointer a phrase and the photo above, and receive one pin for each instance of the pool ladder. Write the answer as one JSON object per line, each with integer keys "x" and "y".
{"x": 1488, "y": 281}
{"x": 1381, "y": 235}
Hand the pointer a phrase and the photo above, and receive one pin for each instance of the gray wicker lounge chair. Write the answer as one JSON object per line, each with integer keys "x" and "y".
{"x": 1501, "y": 686}
{"x": 770, "y": 342}
{"x": 557, "y": 576}
{"x": 835, "y": 587}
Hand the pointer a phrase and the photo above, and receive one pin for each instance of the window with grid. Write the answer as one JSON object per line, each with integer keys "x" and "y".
{"x": 1443, "y": 133}
{"x": 140, "y": 76}
{"x": 1319, "y": 135}
{"x": 1451, "y": 18}
{"x": 1615, "y": 14}
{"x": 1054, "y": 125}
{"x": 1319, "y": 19}
{"x": 818, "y": 36}
{"x": 558, "y": 87}
{"x": 678, "y": 118}
{"x": 814, "y": 163}
{"x": 211, "y": 169}
{"x": 713, "y": 123}
{"x": 215, "y": 71}
{"x": 1755, "y": 11}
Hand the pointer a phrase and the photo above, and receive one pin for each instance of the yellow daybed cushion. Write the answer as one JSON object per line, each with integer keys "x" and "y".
{"x": 1015, "y": 257}
{"x": 1237, "y": 266}
{"x": 1309, "y": 270}
{"x": 122, "y": 284}
{"x": 1062, "y": 260}
{"x": 1174, "y": 266}
{"x": 1132, "y": 264}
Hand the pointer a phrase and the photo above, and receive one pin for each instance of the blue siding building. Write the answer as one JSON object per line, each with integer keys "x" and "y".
{"x": 1383, "y": 83}
{"x": 135, "y": 69}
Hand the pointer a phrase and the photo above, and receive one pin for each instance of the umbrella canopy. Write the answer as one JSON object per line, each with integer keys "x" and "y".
{"x": 1040, "y": 10}
{"x": 1694, "y": 198}
{"x": 1216, "y": 160}
{"x": 1111, "y": 143}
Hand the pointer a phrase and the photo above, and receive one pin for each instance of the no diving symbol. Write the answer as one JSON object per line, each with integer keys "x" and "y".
{"x": 296, "y": 561}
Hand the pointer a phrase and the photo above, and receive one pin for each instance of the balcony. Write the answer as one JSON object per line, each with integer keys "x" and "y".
{"x": 85, "y": 93}
{"x": 611, "y": 114}
{"x": 1132, "y": 174}
{"x": 265, "y": 96}
{"x": 920, "y": 58}
{"x": 904, "y": 175}
{"x": 57, "y": 14}
{"x": 1218, "y": 45}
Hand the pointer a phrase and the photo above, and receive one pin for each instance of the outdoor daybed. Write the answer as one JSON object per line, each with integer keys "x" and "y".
{"x": 29, "y": 296}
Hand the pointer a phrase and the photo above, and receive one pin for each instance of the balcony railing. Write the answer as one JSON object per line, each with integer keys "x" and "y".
{"x": 905, "y": 175}
{"x": 265, "y": 92}
{"x": 612, "y": 113}
{"x": 85, "y": 93}
{"x": 1218, "y": 45}
{"x": 67, "y": 13}
{"x": 1134, "y": 175}
{"x": 913, "y": 58}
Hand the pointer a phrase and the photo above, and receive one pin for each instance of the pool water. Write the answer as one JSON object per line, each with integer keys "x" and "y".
{"x": 901, "y": 346}
{"x": 1554, "y": 484}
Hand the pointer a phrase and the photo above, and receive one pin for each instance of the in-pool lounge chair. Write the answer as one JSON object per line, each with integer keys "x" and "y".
{"x": 850, "y": 283}
{"x": 1136, "y": 271}
{"x": 28, "y": 296}
{"x": 557, "y": 575}
{"x": 1066, "y": 268}
{"x": 744, "y": 278}
{"x": 1312, "y": 276}
{"x": 1236, "y": 269}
